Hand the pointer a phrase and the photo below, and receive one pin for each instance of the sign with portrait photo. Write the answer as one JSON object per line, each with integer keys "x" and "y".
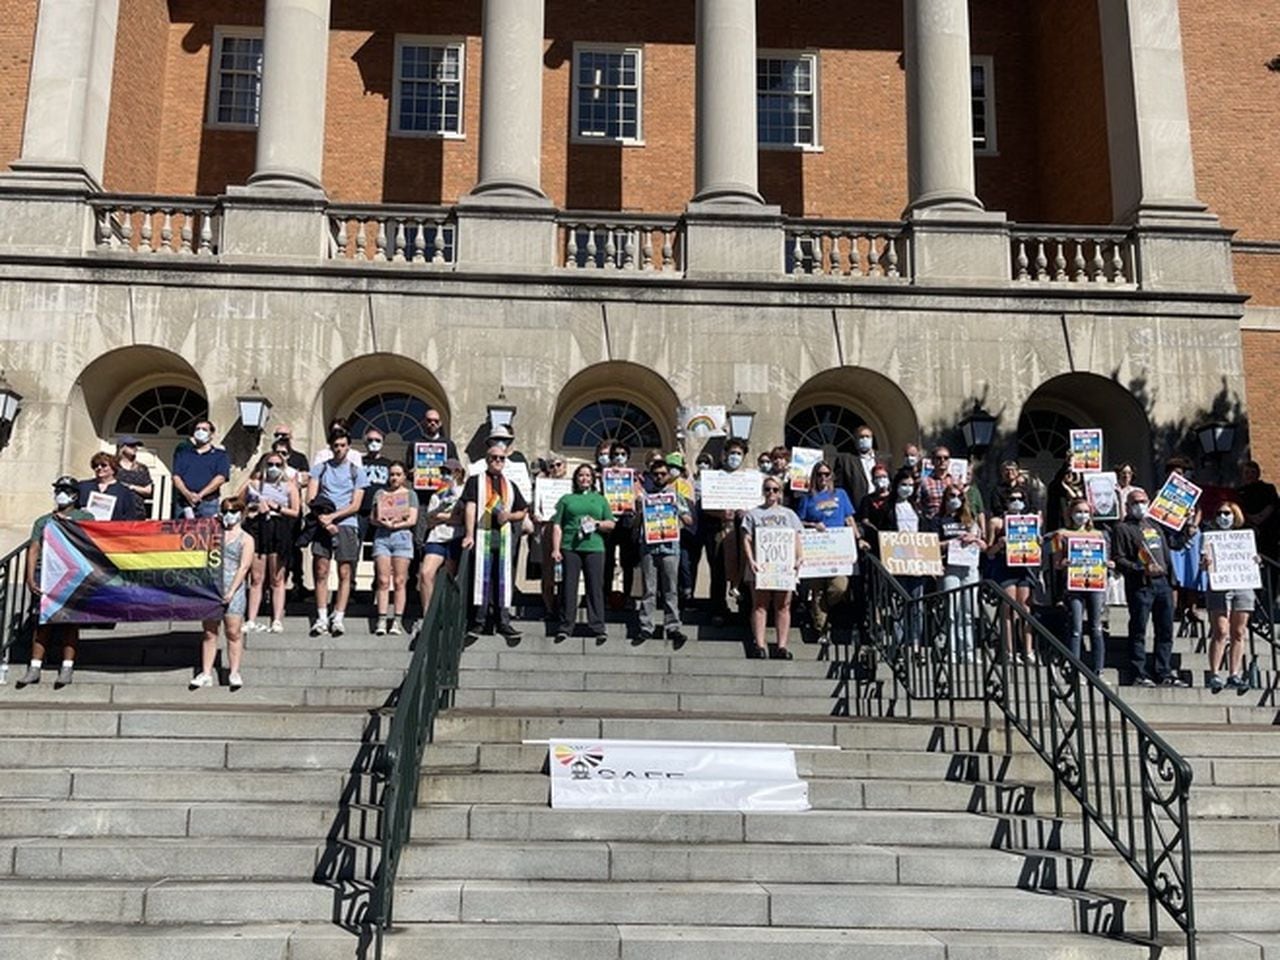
{"x": 1100, "y": 491}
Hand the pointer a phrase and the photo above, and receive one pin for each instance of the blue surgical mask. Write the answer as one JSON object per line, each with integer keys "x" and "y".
{"x": 865, "y": 444}
{"x": 373, "y": 446}
{"x": 733, "y": 461}
{"x": 1017, "y": 506}
{"x": 602, "y": 459}
{"x": 230, "y": 519}
{"x": 905, "y": 490}
{"x": 882, "y": 484}
{"x": 64, "y": 498}
{"x": 201, "y": 436}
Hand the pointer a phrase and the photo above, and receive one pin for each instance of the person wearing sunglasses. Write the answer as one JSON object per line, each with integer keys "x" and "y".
{"x": 105, "y": 496}
{"x": 773, "y": 515}
{"x": 824, "y": 508}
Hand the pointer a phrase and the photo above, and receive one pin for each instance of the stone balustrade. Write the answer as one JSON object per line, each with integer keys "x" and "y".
{"x": 156, "y": 225}
{"x": 380, "y": 234}
{"x": 1050, "y": 254}
{"x": 638, "y": 244}
{"x": 848, "y": 250}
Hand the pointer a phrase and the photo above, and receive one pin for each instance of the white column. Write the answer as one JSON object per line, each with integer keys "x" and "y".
{"x": 939, "y": 118}
{"x": 511, "y": 100}
{"x": 1152, "y": 173}
{"x": 295, "y": 59}
{"x": 726, "y": 167}
{"x": 64, "y": 138}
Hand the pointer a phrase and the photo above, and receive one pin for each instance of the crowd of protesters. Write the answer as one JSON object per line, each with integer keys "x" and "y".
{"x": 334, "y": 502}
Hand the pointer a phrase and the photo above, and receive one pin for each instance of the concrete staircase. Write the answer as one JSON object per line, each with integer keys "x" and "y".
{"x": 140, "y": 820}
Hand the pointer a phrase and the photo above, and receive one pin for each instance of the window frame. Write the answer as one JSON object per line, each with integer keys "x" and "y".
{"x": 418, "y": 40}
{"x": 220, "y": 34}
{"x": 987, "y": 63}
{"x": 619, "y": 48}
{"x": 815, "y": 67}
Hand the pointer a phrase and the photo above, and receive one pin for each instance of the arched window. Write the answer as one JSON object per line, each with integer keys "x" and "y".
{"x": 1044, "y": 435}
{"x": 611, "y": 420}
{"x": 398, "y": 413}
{"x": 168, "y": 410}
{"x": 824, "y": 424}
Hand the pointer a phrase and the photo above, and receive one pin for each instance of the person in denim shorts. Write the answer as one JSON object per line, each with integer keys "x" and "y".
{"x": 394, "y": 515}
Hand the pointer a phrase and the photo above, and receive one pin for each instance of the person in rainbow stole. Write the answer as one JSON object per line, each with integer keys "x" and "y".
{"x": 492, "y": 503}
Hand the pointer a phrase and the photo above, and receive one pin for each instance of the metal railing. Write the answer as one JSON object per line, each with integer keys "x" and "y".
{"x": 1263, "y": 631}
{"x": 428, "y": 688}
{"x": 974, "y": 643}
{"x": 17, "y": 617}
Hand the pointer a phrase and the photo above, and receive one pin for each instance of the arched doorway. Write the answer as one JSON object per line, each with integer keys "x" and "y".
{"x": 829, "y": 407}
{"x": 1074, "y": 401}
{"x": 614, "y": 401}
{"x": 384, "y": 390}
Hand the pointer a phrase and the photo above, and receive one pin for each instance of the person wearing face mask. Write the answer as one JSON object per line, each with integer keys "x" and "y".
{"x": 694, "y": 540}
{"x": 1018, "y": 583}
{"x": 296, "y": 468}
{"x": 1185, "y": 573}
{"x": 274, "y": 504}
{"x": 876, "y": 509}
{"x": 579, "y": 527}
{"x": 134, "y": 475}
{"x": 1082, "y": 603}
{"x": 852, "y": 472}
{"x": 392, "y": 547}
{"x": 911, "y": 459}
{"x": 764, "y": 463}
{"x": 445, "y": 526}
{"x": 237, "y": 558}
{"x": 958, "y": 533}
{"x": 199, "y": 471}
{"x": 375, "y": 467}
{"x": 66, "y": 501}
{"x": 825, "y": 507}
{"x": 660, "y": 562}
{"x": 772, "y": 515}
{"x": 722, "y": 541}
{"x": 1140, "y": 550}
{"x": 1229, "y": 612}
{"x": 621, "y": 546}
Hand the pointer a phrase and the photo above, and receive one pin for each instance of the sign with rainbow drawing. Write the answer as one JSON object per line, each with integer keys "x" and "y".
{"x": 703, "y": 422}
{"x": 139, "y": 571}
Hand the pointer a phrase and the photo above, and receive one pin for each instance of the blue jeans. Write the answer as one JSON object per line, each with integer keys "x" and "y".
{"x": 1151, "y": 600}
{"x": 205, "y": 508}
{"x": 1091, "y": 603}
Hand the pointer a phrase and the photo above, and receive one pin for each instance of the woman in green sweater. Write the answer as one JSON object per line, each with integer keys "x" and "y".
{"x": 576, "y": 542}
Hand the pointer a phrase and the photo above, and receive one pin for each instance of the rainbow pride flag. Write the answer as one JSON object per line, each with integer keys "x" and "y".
{"x": 146, "y": 570}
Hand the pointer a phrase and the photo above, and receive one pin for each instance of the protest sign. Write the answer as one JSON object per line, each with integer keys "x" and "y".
{"x": 1233, "y": 563}
{"x": 393, "y": 505}
{"x": 1100, "y": 490}
{"x": 775, "y": 553}
{"x": 1022, "y": 540}
{"x": 731, "y": 490}
{"x": 1086, "y": 564}
{"x": 661, "y": 518}
{"x": 958, "y": 471}
{"x": 828, "y": 553}
{"x": 1175, "y": 502}
{"x": 620, "y": 489}
{"x": 428, "y": 466}
{"x": 962, "y": 554}
{"x": 547, "y": 493}
{"x": 1086, "y": 450}
{"x": 803, "y": 460}
{"x": 705, "y": 421}
{"x": 101, "y": 505}
{"x": 517, "y": 473}
{"x": 911, "y": 554}
{"x": 139, "y": 571}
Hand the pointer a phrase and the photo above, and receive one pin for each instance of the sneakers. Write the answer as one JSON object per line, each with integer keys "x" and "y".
{"x": 320, "y": 628}
{"x": 235, "y": 682}
{"x": 1216, "y": 684}
{"x": 1172, "y": 680}
{"x": 393, "y": 628}
{"x": 561, "y": 637}
{"x": 1143, "y": 682}
{"x": 381, "y": 629}
{"x": 337, "y": 627}
{"x": 253, "y": 626}
{"x": 508, "y": 631}
{"x": 780, "y": 653}
{"x": 756, "y": 653}
{"x": 201, "y": 679}
{"x": 31, "y": 676}
{"x": 276, "y": 627}
{"x": 64, "y": 677}
{"x": 1237, "y": 682}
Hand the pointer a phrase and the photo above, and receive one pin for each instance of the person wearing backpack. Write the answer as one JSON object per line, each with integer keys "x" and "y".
{"x": 342, "y": 483}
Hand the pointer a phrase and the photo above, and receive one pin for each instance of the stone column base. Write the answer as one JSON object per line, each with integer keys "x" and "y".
{"x": 274, "y": 226}
{"x": 508, "y": 234}
{"x": 44, "y": 211}
{"x": 959, "y": 248}
{"x": 725, "y": 238}
{"x": 1186, "y": 258}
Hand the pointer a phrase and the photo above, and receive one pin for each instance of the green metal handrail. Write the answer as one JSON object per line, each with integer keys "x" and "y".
{"x": 968, "y": 644}
{"x": 1263, "y": 627}
{"x": 17, "y": 613}
{"x": 428, "y": 688}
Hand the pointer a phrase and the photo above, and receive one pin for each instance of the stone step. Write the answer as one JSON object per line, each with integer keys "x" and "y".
{"x": 181, "y": 755}
{"x": 127, "y": 691}
{"x": 263, "y": 723}
{"x": 534, "y": 941}
{"x": 176, "y": 785}
{"x": 158, "y": 858}
{"x": 816, "y": 686}
{"x": 230, "y": 821}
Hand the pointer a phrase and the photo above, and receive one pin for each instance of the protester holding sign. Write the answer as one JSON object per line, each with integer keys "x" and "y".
{"x": 580, "y": 526}
{"x": 552, "y": 484}
{"x": 445, "y": 527}
{"x": 769, "y": 567}
{"x": 1018, "y": 575}
{"x": 1085, "y": 595}
{"x": 665, "y": 514}
{"x": 65, "y": 500}
{"x": 962, "y": 543}
{"x": 105, "y": 496}
{"x": 825, "y": 508}
{"x": 237, "y": 558}
{"x": 721, "y": 540}
{"x": 1141, "y": 553}
{"x": 394, "y": 515}
{"x": 1229, "y": 608}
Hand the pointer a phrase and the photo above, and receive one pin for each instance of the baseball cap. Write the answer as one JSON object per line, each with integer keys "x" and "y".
{"x": 66, "y": 482}
{"x": 501, "y": 433}
{"x": 129, "y": 440}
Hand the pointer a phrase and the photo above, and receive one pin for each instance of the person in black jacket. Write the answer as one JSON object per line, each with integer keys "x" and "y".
{"x": 1141, "y": 552}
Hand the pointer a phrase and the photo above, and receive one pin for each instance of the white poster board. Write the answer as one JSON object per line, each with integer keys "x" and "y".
{"x": 1233, "y": 564}
{"x": 828, "y": 553}
{"x": 101, "y": 505}
{"x": 547, "y": 493}
{"x": 775, "y": 553}
{"x": 674, "y": 775}
{"x": 731, "y": 490}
